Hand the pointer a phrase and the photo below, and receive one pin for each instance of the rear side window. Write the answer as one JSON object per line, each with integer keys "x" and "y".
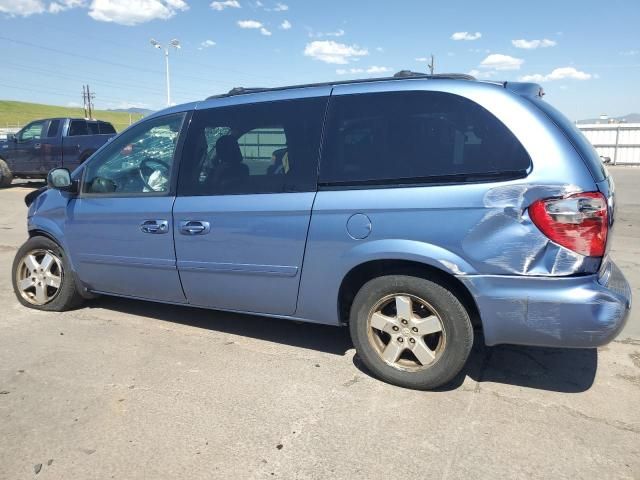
{"x": 268, "y": 147}
{"x": 588, "y": 153}
{"x": 52, "y": 131}
{"x": 78, "y": 127}
{"x": 414, "y": 137}
{"x": 93, "y": 128}
{"x": 106, "y": 128}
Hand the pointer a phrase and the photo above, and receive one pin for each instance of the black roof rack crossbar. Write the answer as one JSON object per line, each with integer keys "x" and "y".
{"x": 401, "y": 75}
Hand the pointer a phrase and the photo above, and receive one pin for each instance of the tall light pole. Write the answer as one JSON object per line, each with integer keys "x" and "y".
{"x": 175, "y": 44}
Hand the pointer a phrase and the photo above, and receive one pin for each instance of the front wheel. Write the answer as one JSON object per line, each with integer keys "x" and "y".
{"x": 42, "y": 277}
{"x": 410, "y": 331}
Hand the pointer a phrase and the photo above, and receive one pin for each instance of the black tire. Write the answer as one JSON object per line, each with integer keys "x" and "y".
{"x": 454, "y": 343}
{"x": 6, "y": 177}
{"x": 67, "y": 296}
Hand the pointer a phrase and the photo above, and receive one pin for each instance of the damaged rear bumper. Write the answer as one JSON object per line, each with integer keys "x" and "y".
{"x": 584, "y": 311}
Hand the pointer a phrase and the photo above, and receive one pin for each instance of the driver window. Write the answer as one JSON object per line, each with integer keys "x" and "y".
{"x": 33, "y": 131}
{"x": 138, "y": 161}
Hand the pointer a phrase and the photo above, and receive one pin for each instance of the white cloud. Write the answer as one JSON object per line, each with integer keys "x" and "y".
{"x": 423, "y": 59}
{"x": 249, "y": 24}
{"x": 133, "y": 12}
{"x": 24, "y": 8}
{"x": 285, "y": 25}
{"x": 329, "y": 51}
{"x": 207, "y": 44}
{"x": 337, "y": 33}
{"x": 532, "y": 44}
{"x": 630, "y": 53}
{"x": 254, "y": 25}
{"x": 376, "y": 69}
{"x": 372, "y": 70}
{"x": 497, "y": 61}
{"x": 562, "y": 73}
{"x": 482, "y": 75}
{"x": 280, "y": 7}
{"x": 379, "y": 49}
{"x": 466, "y": 36}
{"x": 219, "y": 6}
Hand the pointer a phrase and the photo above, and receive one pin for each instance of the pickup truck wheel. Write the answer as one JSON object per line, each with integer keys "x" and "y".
{"x": 6, "y": 177}
{"x": 410, "y": 331}
{"x": 42, "y": 277}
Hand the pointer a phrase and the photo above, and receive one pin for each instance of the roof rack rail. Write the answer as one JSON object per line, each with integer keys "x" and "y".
{"x": 401, "y": 75}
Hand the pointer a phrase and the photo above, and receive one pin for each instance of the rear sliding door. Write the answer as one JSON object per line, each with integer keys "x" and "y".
{"x": 246, "y": 190}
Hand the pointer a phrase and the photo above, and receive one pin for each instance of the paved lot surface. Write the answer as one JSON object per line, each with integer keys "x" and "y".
{"x": 133, "y": 390}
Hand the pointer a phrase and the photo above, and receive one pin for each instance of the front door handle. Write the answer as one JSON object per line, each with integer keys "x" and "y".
{"x": 194, "y": 227}
{"x": 37, "y": 146}
{"x": 155, "y": 226}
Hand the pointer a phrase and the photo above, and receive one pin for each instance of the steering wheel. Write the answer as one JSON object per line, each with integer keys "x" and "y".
{"x": 146, "y": 164}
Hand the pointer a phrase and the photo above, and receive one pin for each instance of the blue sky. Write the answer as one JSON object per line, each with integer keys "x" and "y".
{"x": 586, "y": 53}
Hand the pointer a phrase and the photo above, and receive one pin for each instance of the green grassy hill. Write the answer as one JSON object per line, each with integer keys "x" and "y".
{"x": 14, "y": 113}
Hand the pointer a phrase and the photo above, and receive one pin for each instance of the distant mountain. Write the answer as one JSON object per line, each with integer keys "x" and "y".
{"x": 630, "y": 118}
{"x": 141, "y": 111}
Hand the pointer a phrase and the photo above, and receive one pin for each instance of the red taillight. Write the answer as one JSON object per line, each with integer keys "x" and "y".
{"x": 578, "y": 222}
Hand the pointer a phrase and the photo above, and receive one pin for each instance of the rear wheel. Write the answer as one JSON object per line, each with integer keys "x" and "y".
{"x": 42, "y": 277}
{"x": 6, "y": 177}
{"x": 410, "y": 332}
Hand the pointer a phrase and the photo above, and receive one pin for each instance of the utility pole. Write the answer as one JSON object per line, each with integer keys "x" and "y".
{"x": 175, "y": 44}
{"x": 90, "y": 97}
{"x": 431, "y": 65}
{"x": 84, "y": 100}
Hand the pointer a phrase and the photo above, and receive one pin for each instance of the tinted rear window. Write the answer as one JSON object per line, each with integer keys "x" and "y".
{"x": 412, "y": 137}
{"x": 577, "y": 138}
{"x": 106, "y": 128}
{"x": 78, "y": 127}
{"x": 93, "y": 128}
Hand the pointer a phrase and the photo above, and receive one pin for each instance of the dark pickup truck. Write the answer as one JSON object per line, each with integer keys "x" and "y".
{"x": 51, "y": 143}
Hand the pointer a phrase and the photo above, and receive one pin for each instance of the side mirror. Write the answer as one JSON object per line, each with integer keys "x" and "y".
{"x": 60, "y": 179}
{"x": 11, "y": 137}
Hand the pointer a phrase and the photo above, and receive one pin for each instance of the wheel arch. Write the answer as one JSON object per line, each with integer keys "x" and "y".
{"x": 353, "y": 281}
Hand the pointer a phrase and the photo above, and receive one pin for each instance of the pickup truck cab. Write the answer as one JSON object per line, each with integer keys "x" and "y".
{"x": 51, "y": 143}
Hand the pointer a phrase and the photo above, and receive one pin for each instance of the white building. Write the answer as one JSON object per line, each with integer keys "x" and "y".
{"x": 618, "y": 141}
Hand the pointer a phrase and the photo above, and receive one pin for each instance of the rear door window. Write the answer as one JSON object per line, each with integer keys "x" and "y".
{"x": 106, "y": 128}
{"x": 93, "y": 128}
{"x": 78, "y": 127}
{"x": 415, "y": 137}
{"x": 267, "y": 147}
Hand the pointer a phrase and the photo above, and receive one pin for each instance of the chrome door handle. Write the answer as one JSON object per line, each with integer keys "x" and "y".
{"x": 37, "y": 146}
{"x": 194, "y": 227}
{"x": 155, "y": 226}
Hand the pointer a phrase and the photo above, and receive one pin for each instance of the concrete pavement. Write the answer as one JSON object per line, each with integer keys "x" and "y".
{"x": 134, "y": 390}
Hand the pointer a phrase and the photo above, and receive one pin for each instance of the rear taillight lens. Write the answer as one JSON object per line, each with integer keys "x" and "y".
{"x": 578, "y": 222}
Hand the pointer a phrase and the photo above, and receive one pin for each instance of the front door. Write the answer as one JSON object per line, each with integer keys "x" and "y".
{"x": 26, "y": 151}
{"x": 120, "y": 228}
{"x": 245, "y": 198}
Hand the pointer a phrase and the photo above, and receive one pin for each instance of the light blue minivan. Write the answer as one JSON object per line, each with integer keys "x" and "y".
{"x": 412, "y": 209}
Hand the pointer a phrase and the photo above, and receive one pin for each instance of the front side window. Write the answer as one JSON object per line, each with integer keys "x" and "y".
{"x": 269, "y": 147}
{"x": 411, "y": 137}
{"x": 139, "y": 161}
{"x": 52, "y": 131}
{"x": 33, "y": 131}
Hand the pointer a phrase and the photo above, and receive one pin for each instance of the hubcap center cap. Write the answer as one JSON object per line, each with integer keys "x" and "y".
{"x": 406, "y": 331}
